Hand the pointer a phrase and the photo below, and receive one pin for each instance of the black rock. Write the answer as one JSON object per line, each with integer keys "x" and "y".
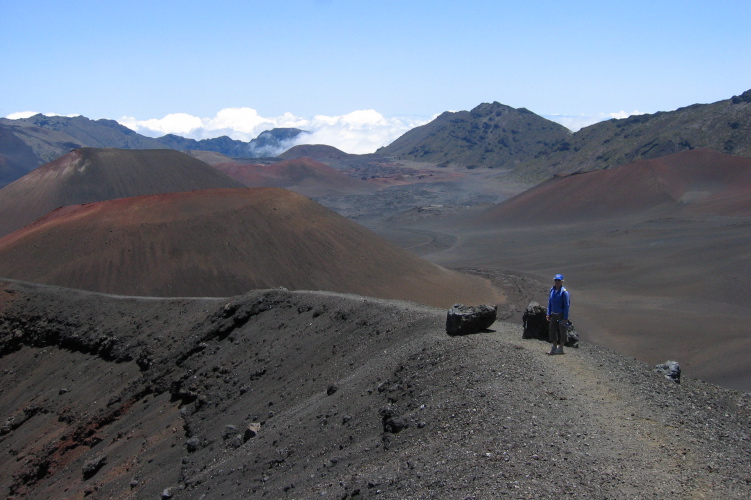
{"x": 671, "y": 370}
{"x": 465, "y": 320}
{"x": 535, "y": 322}
{"x": 193, "y": 444}
{"x": 92, "y": 466}
{"x": 392, "y": 423}
{"x": 536, "y": 325}
{"x": 229, "y": 431}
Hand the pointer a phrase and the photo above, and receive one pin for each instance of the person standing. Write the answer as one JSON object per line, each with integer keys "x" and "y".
{"x": 559, "y": 303}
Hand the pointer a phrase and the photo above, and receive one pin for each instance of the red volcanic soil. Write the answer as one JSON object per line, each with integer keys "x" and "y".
{"x": 689, "y": 182}
{"x": 224, "y": 242}
{"x": 303, "y": 175}
{"x": 89, "y": 174}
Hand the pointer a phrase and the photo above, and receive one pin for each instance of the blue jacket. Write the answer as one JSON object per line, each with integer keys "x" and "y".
{"x": 559, "y": 302}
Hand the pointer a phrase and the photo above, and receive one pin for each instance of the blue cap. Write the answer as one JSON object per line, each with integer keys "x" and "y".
{"x": 558, "y": 277}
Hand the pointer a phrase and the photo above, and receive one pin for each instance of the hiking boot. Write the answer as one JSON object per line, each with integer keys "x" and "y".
{"x": 559, "y": 350}
{"x": 553, "y": 350}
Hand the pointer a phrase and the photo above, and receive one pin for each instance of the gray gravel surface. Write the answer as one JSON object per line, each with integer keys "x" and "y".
{"x": 346, "y": 397}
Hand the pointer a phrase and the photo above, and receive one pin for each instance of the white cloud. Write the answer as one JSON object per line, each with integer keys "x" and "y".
{"x": 27, "y": 114}
{"x": 358, "y": 132}
{"x": 21, "y": 114}
{"x": 176, "y": 123}
{"x": 625, "y": 114}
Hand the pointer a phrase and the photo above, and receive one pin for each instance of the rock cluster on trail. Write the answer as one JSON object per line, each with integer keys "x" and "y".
{"x": 464, "y": 320}
{"x": 536, "y": 325}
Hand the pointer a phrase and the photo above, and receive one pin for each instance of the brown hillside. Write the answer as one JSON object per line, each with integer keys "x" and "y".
{"x": 88, "y": 175}
{"x": 315, "y": 151}
{"x": 302, "y": 175}
{"x": 223, "y": 242}
{"x": 694, "y": 181}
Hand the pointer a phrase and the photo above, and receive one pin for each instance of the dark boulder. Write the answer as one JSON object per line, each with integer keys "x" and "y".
{"x": 252, "y": 430}
{"x": 573, "y": 337}
{"x": 536, "y": 325}
{"x": 464, "y": 320}
{"x": 193, "y": 444}
{"x": 392, "y": 423}
{"x": 671, "y": 370}
{"x": 91, "y": 467}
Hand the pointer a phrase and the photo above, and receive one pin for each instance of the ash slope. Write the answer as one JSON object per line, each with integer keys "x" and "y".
{"x": 657, "y": 256}
{"x": 88, "y": 175}
{"x": 120, "y": 397}
{"x": 697, "y": 181}
{"x": 302, "y": 175}
{"x": 221, "y": 242}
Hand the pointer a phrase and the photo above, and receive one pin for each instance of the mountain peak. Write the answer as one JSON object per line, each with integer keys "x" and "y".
{"x": 491, "y": 135}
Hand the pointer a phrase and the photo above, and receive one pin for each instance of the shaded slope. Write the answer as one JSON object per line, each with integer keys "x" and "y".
{"x": 692, "y": 181}
{"x": 223, "y": 242}
{"x": 723, "y": 126}
{"x": 92, "y": 133}
{"x": 268, "y": 143}
{"x": 88, "y": 175}
{"x": 302, "y": 175}
{"x": 490, "y": 135}
{"x": 16, "y": 156}
{"x": 50, "y": 137}
{"x": 155, "y": 396}
{"x": 22, "y": 149}
{"x": 318, "y": 152}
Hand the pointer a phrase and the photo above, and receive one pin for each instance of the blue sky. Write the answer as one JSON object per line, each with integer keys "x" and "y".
{"x": 370, "y": 69}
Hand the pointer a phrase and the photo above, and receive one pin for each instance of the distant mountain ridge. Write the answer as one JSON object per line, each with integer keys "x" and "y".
{"x": 101, "y": 133}
{"x": 268, "y": 143}
{"x": 490, "y": 135}
{"x": 498, "y": 136}
{"x": 723, "y": 126}
{"x": 28, "y": 143}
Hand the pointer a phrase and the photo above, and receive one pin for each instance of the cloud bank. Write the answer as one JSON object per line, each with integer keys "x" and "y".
{"x": 358, "y": 132}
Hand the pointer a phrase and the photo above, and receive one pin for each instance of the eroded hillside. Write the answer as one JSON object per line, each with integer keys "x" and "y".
{"x": 303, "y": 394}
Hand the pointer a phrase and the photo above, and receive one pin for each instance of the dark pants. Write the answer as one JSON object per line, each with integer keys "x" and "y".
{"x": 557, "y": 332}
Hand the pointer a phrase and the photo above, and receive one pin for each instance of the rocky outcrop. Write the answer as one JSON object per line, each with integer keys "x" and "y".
{"x": 671, "y": 370}
{"x": 464, "y": 320}
{"x": 536, "y": 325}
